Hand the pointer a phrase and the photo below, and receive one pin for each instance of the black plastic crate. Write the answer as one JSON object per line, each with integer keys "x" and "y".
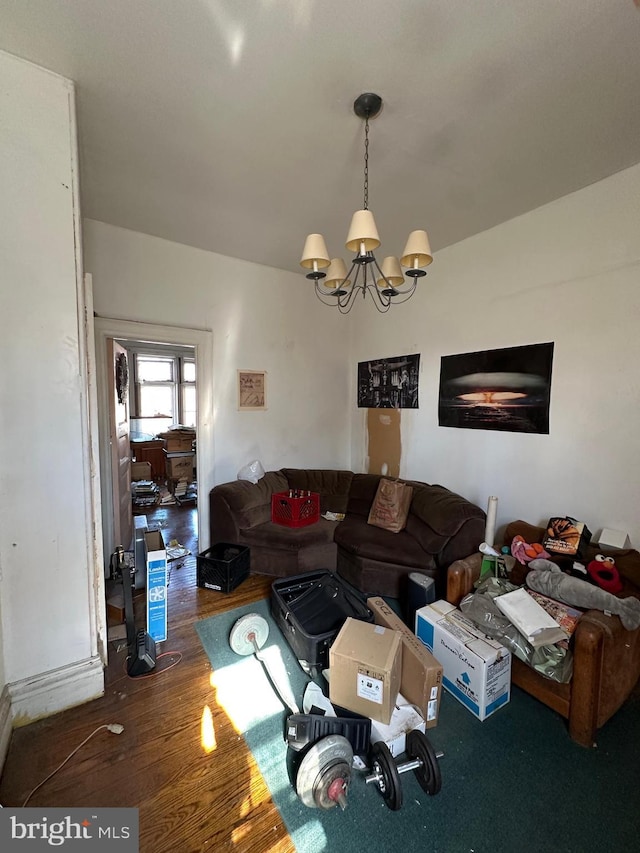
{"x": 222, "y": 567}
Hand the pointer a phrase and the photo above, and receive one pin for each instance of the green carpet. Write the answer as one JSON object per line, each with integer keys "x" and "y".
{"x": 514, "y": 782}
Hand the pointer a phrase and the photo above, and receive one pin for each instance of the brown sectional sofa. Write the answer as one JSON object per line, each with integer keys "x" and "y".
{"x": 441, "y": 527}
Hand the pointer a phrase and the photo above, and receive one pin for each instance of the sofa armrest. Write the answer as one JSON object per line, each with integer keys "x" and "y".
{"x": 241, "y": 505}
{"x": 223, "y": 526}
{"x": 606, "y": 667}
{"x": 461, "y": 576}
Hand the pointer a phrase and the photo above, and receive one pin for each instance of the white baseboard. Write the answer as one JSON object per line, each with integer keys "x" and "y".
{"x": 49, "y": 692}
{"x": 6, "y": 724}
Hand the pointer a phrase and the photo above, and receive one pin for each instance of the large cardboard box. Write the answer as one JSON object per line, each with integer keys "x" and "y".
{"x": 178, "y": 444}
{"x": 141, "y": 470}
{"x": 178, "y": 439}
{"x": 421, "y": 676}
{"x": 156, "y": 562}
{"x": 477, "y": 669}
{"x": 365, "y": 663}
{"x": 180, "y": 465}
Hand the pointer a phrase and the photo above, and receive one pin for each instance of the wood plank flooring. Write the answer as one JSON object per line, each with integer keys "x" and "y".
{"x": 189, "y": 799}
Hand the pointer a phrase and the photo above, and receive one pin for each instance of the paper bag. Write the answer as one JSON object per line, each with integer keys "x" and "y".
{"x": 390, "y": 506}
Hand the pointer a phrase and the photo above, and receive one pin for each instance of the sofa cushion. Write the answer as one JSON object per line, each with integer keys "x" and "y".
{"x": 361, "y": 494}
{"x": 358, "y": 537}
{"x": 332, "y": 485}
{"x": 437, "y": 514}
{"x": 289, "y": 538}
{"x": 251, "y": 502}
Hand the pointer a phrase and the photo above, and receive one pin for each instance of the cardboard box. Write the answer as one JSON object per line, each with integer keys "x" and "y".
{"x": 405, "y": 718}
{"x": 178, "y": 439}
{"x": 141, "y": 470}
{"x": 156, "y": 562}
{"x": 477, "y": 669}
{"x": 180, "y": 465}
{"x": 365, "y": 663}
{"x": 614, "y": 539}
{"x": 421, "y": 675}
{"x": 178, "y": 444}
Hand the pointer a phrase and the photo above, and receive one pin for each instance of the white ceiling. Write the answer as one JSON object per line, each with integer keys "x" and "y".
{"x": 228, "y": 124}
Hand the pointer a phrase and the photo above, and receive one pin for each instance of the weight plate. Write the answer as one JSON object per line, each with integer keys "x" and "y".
{"x": 328, "y": 759}
{"x": 385, "y": 767}
{"x": 429, "y": 776}
{"x": 239, "y": 638}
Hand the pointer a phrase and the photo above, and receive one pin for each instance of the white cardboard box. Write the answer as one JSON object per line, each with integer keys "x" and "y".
{"x": 477, "y": 669}
{"x": 156, "y": 563}
{"x": 404, "y": 719}
{"x": 614, "y": 539}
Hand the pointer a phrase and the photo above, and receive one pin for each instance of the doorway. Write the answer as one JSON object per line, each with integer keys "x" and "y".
{"x": 200, "y": 342}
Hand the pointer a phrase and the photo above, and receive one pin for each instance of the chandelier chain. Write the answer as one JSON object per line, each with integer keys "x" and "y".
{"x": 366, "y": 163}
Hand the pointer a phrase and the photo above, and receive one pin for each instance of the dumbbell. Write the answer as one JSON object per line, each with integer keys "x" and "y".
{"x": 385, "y": 771}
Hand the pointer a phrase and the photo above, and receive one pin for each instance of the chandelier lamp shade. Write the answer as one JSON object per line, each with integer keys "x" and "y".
{"x": 387, "y": 283}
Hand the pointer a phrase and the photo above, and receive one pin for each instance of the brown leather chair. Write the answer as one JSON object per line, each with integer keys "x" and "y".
{"x": 606, "y": 657}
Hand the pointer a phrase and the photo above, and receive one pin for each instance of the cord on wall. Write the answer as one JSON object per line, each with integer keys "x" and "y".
{"x": 116, "y": 728}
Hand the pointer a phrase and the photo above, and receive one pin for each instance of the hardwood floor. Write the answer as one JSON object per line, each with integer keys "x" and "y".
{"x": 189, "y": 799}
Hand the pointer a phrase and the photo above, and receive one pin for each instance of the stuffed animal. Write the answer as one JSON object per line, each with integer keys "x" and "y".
{"x": 546, "y": 577}
{"x": 525, "y": 552}
{"x": 602, "y": 570}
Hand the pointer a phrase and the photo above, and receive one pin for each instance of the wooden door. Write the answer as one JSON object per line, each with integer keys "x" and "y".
{"x": 120, "y": 447}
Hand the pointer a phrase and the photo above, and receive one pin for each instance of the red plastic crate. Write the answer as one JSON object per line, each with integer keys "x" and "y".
{"x": 295, "y": 508}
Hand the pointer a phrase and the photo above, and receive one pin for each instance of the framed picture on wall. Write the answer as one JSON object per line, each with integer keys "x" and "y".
{"x": 389, "y": 383}
{"x": 501, "y": 389}
{"x": 252, "y": 390}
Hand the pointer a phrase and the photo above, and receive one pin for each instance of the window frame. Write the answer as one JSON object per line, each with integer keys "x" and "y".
{"x": 179, "y": 357}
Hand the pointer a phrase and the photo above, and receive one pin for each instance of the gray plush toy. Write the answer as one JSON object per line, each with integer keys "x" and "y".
{"x": 546, "y": 577}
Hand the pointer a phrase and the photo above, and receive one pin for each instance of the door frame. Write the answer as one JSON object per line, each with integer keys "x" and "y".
{"x": 202, "y": 342}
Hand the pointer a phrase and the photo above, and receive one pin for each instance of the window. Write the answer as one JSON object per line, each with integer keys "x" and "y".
{"x": 155, "y": 386}
{"x": 163, "y": 391}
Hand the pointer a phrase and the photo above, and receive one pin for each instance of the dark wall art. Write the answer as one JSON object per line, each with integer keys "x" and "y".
{"x": 504, "y": 389}
{"x": 389, "y": 383}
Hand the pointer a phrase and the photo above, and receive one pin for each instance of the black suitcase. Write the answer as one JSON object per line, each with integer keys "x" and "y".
{"x": 310, "y": 609}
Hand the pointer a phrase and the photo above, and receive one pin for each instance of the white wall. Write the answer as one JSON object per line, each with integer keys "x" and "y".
{"x": 261, "y": 319}
{"x": 568, "y": 272}
{"x": 49, "y": 641}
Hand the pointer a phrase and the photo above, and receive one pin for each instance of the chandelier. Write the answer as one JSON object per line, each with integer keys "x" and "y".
{"x": 386, "y": 284}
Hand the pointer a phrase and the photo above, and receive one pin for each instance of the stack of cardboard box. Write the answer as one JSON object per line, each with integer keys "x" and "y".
{"x": 395, "y": 677}
{"x": 180, "y": 453}
{"x": 384, "y": 672}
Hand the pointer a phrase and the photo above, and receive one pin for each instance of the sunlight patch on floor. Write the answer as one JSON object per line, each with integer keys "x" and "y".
{"x": 243, "y": 691}
{"x": 207, "y": 731}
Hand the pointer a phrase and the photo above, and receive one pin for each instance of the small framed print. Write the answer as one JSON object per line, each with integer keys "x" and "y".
{"x": 252, "y": 390}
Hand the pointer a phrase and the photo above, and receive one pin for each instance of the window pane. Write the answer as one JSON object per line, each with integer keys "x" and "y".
{"x": 154, "y": 368}
{"x": 189, "y": 405}
{"x": 156, "y": 400}
{"x": 188, "y": 370}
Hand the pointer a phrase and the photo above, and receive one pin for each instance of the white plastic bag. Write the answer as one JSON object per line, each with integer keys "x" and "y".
{"x": 251, "y": 472}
